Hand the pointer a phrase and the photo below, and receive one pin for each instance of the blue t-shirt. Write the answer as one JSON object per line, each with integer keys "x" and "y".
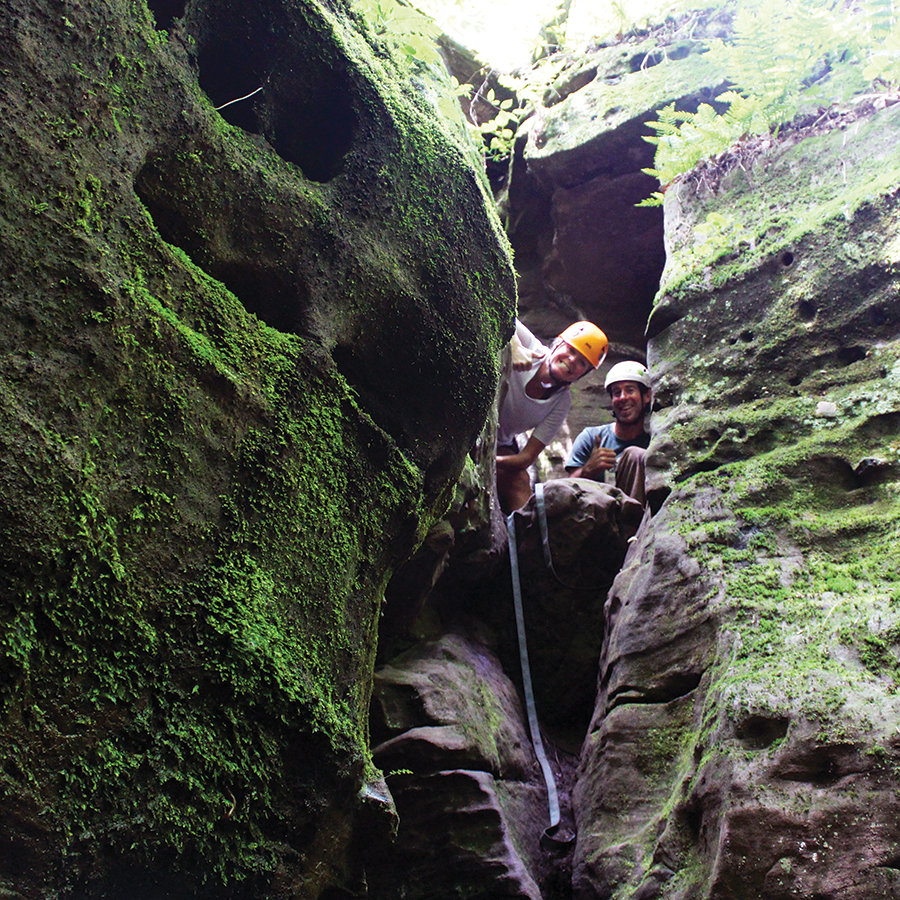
{"x": 585, "y": 443}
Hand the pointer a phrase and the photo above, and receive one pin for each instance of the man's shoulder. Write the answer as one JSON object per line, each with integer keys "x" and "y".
{"x": 590, "y": 432}
{"x": 604, "y": 432}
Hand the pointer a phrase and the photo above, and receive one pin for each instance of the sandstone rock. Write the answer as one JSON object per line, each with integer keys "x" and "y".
{"x": 747, "y": 717}
{"x": 447, "y": 704}
{"x": 462, "y": 772}
{"x": 457, "y": 685}
{"x": 454, "y": 840}
{"x": 243, "y": 361}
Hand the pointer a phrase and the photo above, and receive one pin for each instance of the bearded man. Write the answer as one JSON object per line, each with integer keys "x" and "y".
{"x": 619, "y": 447}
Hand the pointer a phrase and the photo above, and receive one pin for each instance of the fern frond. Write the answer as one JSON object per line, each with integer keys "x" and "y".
{"x": 782, "y": 53}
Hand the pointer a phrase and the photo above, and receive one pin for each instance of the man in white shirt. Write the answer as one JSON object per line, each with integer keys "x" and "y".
{"x": 537, "y": 397}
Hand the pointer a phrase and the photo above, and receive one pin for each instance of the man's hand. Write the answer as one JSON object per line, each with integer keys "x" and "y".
{"x": 522, "y": 357}
{"x": 601, "y": 460}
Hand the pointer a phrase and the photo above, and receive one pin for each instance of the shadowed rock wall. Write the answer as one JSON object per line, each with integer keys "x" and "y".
{"x": 584, "y": 249}
{"x": 243, "y": 357}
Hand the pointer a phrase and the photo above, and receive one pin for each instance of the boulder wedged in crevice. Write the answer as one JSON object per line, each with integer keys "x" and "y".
{"x": 588, "y": 526}
{"x": 453, "y": 702}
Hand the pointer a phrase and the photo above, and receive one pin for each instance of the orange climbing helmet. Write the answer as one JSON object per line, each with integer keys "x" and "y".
{"x": 588, "y": 340}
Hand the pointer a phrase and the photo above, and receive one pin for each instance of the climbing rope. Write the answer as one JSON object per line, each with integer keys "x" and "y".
{"x": 545, "y": 540}
{"x": 533, "y": 727}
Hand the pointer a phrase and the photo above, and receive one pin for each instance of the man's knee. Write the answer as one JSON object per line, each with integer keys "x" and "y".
{"x": 633, "y": 456}
{"x": 630, "y": 473}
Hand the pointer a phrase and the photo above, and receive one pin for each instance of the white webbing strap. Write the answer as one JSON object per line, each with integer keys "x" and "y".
{"x": 533, "y": 727}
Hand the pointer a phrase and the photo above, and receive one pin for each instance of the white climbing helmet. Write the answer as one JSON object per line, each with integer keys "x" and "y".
{"x": 630, "y": 370}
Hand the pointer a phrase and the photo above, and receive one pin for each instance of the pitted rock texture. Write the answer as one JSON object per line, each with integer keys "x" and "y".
{"x": 243, "y": 359}
{"x": 745, "y": 739}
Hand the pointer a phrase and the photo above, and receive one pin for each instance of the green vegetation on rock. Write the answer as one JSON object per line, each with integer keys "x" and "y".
{"x": 780, "y": 58}
{"x": 201, "y": 510}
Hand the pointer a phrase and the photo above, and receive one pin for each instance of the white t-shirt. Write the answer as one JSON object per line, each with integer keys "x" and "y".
{"x": 519, "y": 413}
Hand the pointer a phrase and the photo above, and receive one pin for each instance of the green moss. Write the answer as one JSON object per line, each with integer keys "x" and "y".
{"x": 809, "y": 560}
{"x": 201, "y": 512}
{"x": 660, "y": 747}
{"x": 163, "y": 599}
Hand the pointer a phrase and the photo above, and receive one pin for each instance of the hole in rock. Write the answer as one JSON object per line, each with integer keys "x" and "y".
{"x": 787, "y": 258}
{"x": 559, "y": 93}
{"x": 795, "y": 380}
{"x": 165, "y": 12}
{"x": 833, "y": 471}
{"x": 234, "y": 68}
{"x": 747, "y": 336}
{"x": 820, "y": 766}
{"x": 849, "y": 355}
{"x": 692, "y": 815}
{"x": 656, "y": 498}
{"x": 661, "y": 318}
{"x": 806, "y": 310}
{"x": 757, "y": 732}
{"x": 316, "y": 132}
{"x": 268, "y": 289}
{"x": 647, "y": 60}
{"x": 377, "y": 388}
{"x": 272, "y": 294}
{"x": 709, "y": 437}
{"x": 871, "y": 470}
{"x": 877, "y": 315}
{"x": 881, "y": 427}
{"x": 672, "y": 686}
{"x": 305, "y": 108}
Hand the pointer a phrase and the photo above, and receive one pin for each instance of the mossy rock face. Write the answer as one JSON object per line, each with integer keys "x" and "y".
{"x": 244, "y": 355}
{"x": 746, "y": 740}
